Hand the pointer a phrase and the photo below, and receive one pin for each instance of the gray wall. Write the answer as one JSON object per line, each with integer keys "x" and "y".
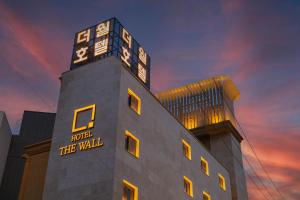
{"x": 85, "y": 174}
{"x": 160, "y": 169}
{"x": 5, "y": 137}
{"x": 98, "y": 173}
{"x": 226, "y": 148}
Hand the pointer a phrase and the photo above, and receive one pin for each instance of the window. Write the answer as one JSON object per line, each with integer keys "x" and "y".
{"x": 187, "y": 151}
{"x": 130, "y": 192}
{"x": 222, "y": 182}
{"x": 188, "y": 186}
{"x": 204, "y": 166}
{"x": 132, "y": 144}
{"x": 206, "y": 196}
{"x": 134, "y": 101}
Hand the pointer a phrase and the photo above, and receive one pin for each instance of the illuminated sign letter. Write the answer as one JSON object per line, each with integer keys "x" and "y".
{"x": 90, "y": 124}
{"x": 101, "y": 47}
{"x": 83, "y": 36}
{"x": 142, "y": 73}
{"x": 126, "y": 37}
{"x": 126, "y": 55}
{"x": 81, "y": 55}
{"x": 142, "y": 56}
{"x": 102, "y": 29}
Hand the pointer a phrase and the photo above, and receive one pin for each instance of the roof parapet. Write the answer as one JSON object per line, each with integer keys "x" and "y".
{"x": 229, "y": 87}
{"x": 203, "y": 102}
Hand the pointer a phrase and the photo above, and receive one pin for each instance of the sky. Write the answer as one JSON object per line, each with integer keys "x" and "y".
{"x": 255, "y": 42}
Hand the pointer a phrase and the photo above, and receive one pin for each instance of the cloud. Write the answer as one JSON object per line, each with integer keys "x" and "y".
{"x": 15, "y": 101}
{"x": 275, "y": 145}
{"x": 26, "y": 36}
{"x": 32, "y": 58}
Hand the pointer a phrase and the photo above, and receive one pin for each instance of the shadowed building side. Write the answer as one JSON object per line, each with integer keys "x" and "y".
{"x": 206, "y": 108}
{"x": 33, "y": 179}
{"x": 5, "y": 137}
{"x": 36, "y": 127}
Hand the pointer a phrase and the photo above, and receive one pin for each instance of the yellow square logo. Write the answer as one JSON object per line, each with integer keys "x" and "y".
{"x": 90, "y": 124}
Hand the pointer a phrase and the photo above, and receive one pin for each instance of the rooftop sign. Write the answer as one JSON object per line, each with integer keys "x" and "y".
{"x": 110, "y": 38}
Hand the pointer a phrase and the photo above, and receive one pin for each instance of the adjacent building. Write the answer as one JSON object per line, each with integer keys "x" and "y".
{"x": 24, "y": 172}
{"x": 112, "y": 138}
{"x": 5, "y": 137}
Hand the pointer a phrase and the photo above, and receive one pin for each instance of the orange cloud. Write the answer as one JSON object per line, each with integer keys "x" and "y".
{"x": 276, "y": 148}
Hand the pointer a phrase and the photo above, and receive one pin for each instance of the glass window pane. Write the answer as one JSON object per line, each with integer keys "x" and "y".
{"x": 128, "y": 193}
{"x": 131, "y": 145}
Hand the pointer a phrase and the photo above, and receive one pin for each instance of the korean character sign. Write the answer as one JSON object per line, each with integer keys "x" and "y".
{"x": 101, "y": 38}
{"x": 142, "y": 63}
{"x": 110, "y": 38}
{"x": 82, "y": 40}
{"x": 125, "y": 54}
{"x": 91, "y": 43}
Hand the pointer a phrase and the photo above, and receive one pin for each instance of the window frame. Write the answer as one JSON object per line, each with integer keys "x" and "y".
{"x": 222, "y": 186}
{"x": 139, "y": 102}
{"x": 190, "y": 183}
{"x": 186, "y": 145}
{"x": 206, "y": 169}
{"x": 131, "y": 186}
{"x": 204, "y": 193}
{"x": 137, "y": 151}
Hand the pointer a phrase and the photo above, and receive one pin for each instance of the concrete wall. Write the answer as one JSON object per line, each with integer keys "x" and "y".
{"x": 33, "y": 183}
{"x": 36, "y": 158}
{"x": 85, "y": 174}
{"x": 5, "y": 137}
{"x": 98, "y": 173}
{"x": 159, "y": 171}
{"x": 227, "y": 150}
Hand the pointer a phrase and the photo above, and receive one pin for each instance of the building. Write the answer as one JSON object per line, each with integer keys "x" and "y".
{"x": 5, "y": 137}
{"x": 113, "y": 139}
{"x": 36, "y": 127}
{"x": 206, "y": 108}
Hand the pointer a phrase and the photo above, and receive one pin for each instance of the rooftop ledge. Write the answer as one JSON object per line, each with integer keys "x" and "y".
{"x": 229, "y": 87}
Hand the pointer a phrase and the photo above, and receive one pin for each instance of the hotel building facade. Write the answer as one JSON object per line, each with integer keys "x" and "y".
{"x": 112, "y": 138}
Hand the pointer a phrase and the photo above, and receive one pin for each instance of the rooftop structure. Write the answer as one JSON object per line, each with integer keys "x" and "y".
{"x": 202, "y": 103}
{"x": 110, "y": 38}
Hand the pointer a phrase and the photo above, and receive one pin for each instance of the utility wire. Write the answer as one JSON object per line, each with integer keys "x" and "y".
{"x": 249, "y": 175}
{"x": 252, "y": 148}
{"x": 238, "y": 161}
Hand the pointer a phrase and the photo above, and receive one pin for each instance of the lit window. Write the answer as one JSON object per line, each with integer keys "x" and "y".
{"x": 130, "y": 191}
{"x": 187, "y": 151}
{"x": 134, "y": 101}
{"x": 222, "y": 182}
{"x": 132, "y": 144}
{"x": 206, "y": 196}
{"x": 204, "y": 166}
{"x": 188, "y": 186}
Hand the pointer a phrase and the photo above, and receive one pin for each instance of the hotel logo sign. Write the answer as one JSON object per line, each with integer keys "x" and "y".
{"x": 110, "y": 38}
{"x": 91, "y": 108}
{"x": 82, "y": 138}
